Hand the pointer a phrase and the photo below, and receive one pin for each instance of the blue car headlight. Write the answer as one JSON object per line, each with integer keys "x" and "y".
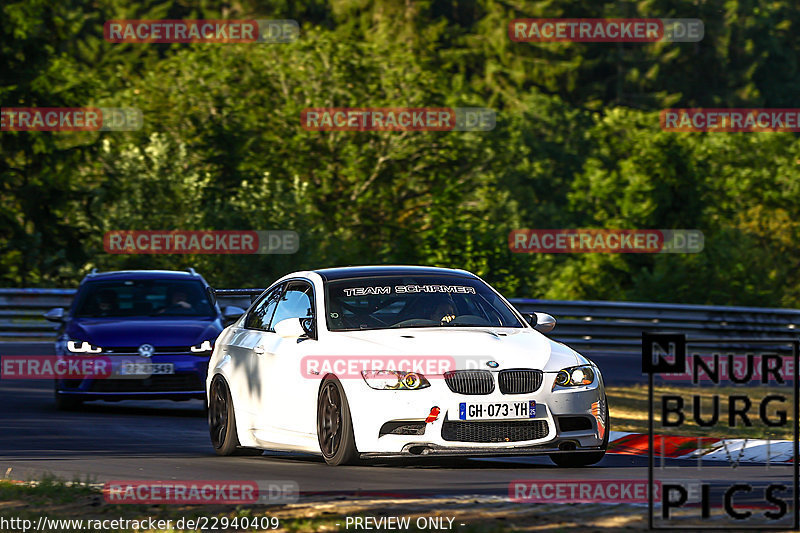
{"x": 82, "y": 347}
{"x": 204, "y": 346}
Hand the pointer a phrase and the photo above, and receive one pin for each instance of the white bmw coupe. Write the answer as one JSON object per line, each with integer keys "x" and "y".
{"x": 363, "y": 362}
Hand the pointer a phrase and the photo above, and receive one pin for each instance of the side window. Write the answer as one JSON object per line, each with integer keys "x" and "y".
{"x": 260, "y": 316}
{"x": 297, "y": 302}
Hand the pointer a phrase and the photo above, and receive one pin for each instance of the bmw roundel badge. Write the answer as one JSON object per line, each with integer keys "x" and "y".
{"x": 492, "y": 364}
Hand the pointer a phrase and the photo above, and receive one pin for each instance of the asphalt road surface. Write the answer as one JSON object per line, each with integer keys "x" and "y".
{"x": 165, "y": 440}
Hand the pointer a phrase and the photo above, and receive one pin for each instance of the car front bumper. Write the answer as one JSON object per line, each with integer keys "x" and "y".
{"x": 187, "y": 381}
{"x": 371, "y": 409}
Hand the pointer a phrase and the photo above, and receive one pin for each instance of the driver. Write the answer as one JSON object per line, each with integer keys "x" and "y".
{"x": 106, "y": 302}
{"x": 178, "y": 300}
{"x": 443, "y": 310}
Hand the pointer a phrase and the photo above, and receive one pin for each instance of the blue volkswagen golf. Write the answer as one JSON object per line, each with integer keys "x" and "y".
{"x": 156, "y": 328}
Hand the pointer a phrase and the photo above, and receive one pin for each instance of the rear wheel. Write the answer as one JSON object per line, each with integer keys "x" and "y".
{"x": 579, "y": 459}
{"x": 334, "y": 425}
{"x": 222, "y": 421}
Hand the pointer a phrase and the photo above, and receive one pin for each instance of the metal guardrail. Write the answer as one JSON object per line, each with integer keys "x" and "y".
{"x": 593, "y": 327}
{"x": 21, "y": 311}
{"x": 596, "y": 327}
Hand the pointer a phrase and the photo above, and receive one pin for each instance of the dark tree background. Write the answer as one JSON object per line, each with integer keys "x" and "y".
{"x": 577, "y": 144}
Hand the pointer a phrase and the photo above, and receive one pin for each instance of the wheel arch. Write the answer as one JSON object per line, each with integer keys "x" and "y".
{"x": 241, "y": 416}
{"x": 347, "y": 388}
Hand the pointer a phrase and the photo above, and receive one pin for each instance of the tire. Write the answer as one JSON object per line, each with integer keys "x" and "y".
{"x": 65, "y": 403}
{"x": 222, "y": 421}
{"x": 335, "y": 425}
{"x": 580, "y": 459}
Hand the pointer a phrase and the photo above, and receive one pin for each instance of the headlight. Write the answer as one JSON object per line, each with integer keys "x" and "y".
{"x": 204, "y": 346}
{"x": 394, "y": 380}
{"x": 82, "y": 347}
{"x": 574, "y": 376}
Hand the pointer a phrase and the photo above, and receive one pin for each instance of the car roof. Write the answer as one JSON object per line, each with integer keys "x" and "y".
{"x": 143, "y": 274}
{"x": 332, "y": 274}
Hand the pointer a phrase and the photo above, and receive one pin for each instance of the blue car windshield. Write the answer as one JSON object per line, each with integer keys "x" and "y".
{"x": 383, "y": 302}
{"x": 143, "y": 298}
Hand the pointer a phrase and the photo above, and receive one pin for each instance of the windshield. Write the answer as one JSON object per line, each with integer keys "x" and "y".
{"x": 383, "y": 302}
{"x": 143, "y": 298}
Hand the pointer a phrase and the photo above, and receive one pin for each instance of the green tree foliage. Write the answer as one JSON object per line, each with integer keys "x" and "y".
{"x": 577, "y": 144}
{"x": 391, "y": 197}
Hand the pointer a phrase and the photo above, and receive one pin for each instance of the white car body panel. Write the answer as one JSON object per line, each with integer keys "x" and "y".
{"x": 275, "y": 403}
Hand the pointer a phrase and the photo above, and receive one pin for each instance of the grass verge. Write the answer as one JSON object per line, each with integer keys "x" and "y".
{"x": 58, "y": 500}
{"x": 629, "y": 411}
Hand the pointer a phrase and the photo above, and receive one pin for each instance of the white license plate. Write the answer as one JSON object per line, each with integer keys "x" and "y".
{"x": 496, "y": 410}
{"x": 146, "y": 369}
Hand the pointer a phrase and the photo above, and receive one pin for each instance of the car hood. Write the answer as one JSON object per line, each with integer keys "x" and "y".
{"x": 509, "y": 347}
{"x": 105, "y": 332}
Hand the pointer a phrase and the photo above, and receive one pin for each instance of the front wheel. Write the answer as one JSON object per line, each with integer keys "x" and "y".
{"x": 334, "y": 425}
{"x": 222, "y": 421}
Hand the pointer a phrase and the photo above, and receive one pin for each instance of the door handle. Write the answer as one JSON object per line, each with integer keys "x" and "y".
{"x": 258, "y": 350}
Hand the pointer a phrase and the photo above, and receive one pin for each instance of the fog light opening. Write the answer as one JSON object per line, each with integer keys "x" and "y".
{"x": 567, "y": 446}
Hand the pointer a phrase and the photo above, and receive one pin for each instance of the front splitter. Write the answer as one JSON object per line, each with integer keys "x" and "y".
{"x": 426, "y": 450}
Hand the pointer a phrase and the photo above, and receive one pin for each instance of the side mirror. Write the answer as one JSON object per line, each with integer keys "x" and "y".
{"x": 310, "y": 327}
{"x": 55, "y": 315}
{"x": 544, "y": 322}
{"x": 231, "y": 312}
{"x": 291, "y": 328}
